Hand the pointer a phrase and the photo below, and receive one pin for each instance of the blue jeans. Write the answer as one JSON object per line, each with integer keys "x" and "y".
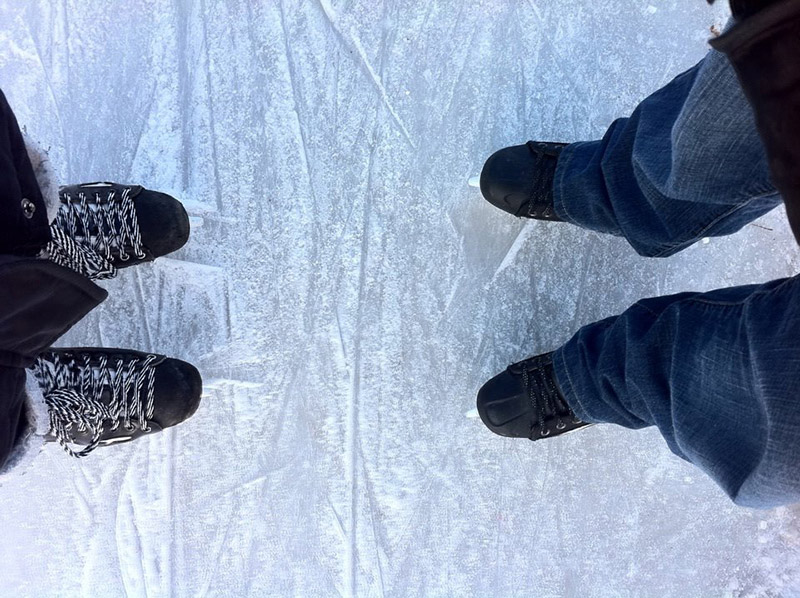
{"x": 718, "y": 373}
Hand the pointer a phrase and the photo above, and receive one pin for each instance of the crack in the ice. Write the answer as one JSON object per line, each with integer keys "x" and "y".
{"x": 212, "y": 121}
{"x": 376, "y": 536}
{"x": 298, "y": 101}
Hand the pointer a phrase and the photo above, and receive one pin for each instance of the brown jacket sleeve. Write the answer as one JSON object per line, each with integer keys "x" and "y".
{"x": 765, "y": 51}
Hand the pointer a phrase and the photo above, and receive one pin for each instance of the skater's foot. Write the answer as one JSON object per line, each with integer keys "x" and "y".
{"x": 104, "y": 226}
{"x": 519, "y": 179}
{"x": 525, "y": 402}
{"x": 97, "y": 397}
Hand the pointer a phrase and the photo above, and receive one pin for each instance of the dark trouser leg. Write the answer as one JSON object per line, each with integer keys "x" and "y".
{"x": 687, "y": 164}
{"x": 718, "y": 373}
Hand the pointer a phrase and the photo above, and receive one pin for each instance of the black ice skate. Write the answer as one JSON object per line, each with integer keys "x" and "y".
{"x": 104, "y": 226}
{"x": 98, "y": 397}
{"x": 519, "y": 179}
{"x": 525, "y": 402}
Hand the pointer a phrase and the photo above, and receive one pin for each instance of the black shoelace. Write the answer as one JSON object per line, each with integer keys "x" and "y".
{"x": 541, "y": 201}
{"x": 545, "y": 399}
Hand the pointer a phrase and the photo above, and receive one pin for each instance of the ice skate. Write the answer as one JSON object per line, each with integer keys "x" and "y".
{"x": 519, "y": 179}
{"x": 104, "y": 226}
{"x": 97, "y": 397}
{"x": 525, "y": 402}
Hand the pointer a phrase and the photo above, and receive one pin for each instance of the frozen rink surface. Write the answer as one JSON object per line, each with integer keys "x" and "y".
{"x": 345, "y": 293}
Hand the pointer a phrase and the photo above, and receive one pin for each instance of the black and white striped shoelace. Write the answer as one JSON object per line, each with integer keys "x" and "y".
{"x": 91, "y": 231}
{"x": 87, "y": 392}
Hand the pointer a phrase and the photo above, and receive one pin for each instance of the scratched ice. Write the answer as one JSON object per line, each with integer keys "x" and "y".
{"x": 345, "y": 292}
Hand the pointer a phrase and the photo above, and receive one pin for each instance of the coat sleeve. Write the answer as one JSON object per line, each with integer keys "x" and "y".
{"x": 39, "y": 302}
{"x": 765, "y": 52}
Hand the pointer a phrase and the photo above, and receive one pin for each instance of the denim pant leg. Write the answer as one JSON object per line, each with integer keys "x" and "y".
{"x": 717, "y": 372}
{"x": 687, "y": 164}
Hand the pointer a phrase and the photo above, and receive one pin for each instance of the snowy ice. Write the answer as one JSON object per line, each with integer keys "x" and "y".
{"x": 346, "y": 292}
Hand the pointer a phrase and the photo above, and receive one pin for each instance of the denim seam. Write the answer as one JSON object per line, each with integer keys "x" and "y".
{"x": 561, "y": 167}
{"x": 694, "y": 237}
{"x": 568, "y": 389}
{"x": 744, "y": 301}
{"x": 639, "y": 304}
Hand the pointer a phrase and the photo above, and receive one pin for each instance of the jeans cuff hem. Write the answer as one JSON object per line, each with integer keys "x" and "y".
{"x": 559, "y": 203}
{"x": 564, "y": 382}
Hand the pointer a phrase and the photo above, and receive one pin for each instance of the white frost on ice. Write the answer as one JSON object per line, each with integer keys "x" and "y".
{"x": 346, "y": 296}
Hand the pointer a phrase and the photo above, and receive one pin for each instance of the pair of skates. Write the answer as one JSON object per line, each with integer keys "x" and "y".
{"x": 98, "y": 396}
{"x": 525, "y": 401}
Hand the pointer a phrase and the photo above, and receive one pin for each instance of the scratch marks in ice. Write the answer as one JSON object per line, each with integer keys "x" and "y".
{"x": 511, "y": 252}
{"x": 377, "y": 537}
{"x": 140, "y": 295}
{"x": 352, "y": 39}
{"x": 211, "y": 112}
{"x": 298, "y": 102}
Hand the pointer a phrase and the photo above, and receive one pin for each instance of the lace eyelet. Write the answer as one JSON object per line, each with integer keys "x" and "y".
{"x": 560, "y": 425}
{"x": 544, "y": 432}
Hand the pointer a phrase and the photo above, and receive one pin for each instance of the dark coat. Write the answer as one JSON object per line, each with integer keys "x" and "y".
{"x": 39, "y": 301}
{"x": 24, "y": 228}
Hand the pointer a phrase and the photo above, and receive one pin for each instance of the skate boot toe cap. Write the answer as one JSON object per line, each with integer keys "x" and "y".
{"x": 180, "y": 388}
{"x": 163, "y": 222}
{"x": 506, "y": 179}
{"x": 503, "y": 406}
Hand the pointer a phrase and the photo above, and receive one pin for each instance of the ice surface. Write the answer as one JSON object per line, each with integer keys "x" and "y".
{"x": 347, "y": 294}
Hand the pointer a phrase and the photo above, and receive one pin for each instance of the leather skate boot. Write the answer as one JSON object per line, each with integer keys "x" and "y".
{"x": 97, "y": 397}
{"x": 519, "y": 179}
{"x": 104, "y": 226}
{"x": 525, "y": 402}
